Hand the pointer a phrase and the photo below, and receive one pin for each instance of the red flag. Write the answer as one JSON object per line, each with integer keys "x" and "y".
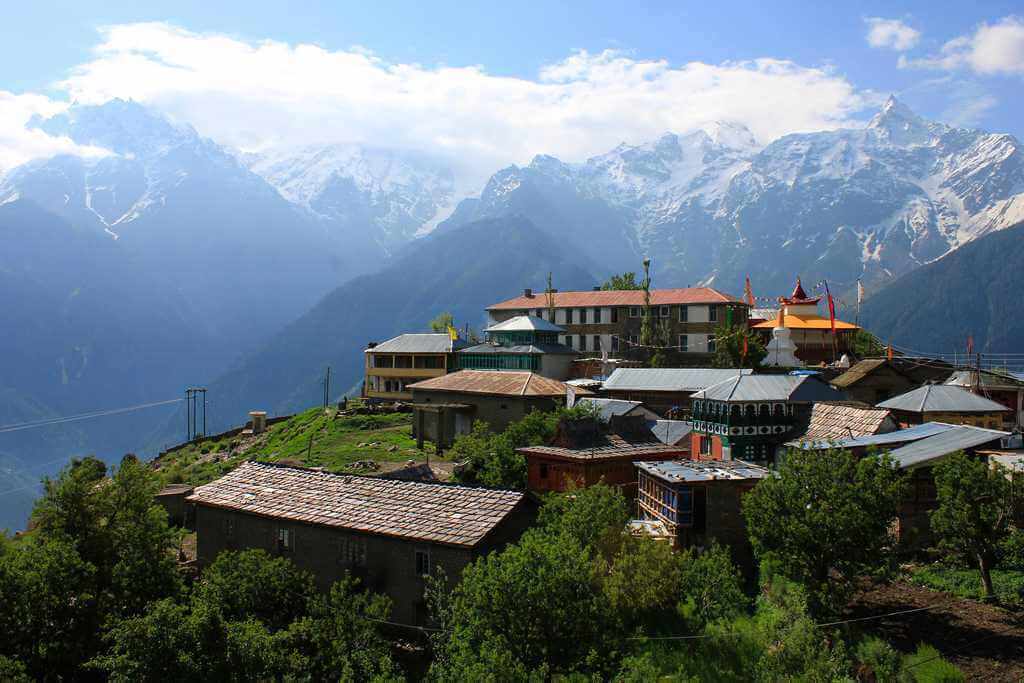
{"x": 744, "y": 355}
{"x": 748, "y": 293}
{"x": 831, "y": 308}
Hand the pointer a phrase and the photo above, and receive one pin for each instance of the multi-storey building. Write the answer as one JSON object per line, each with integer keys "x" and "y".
{"x": 393, "y": 365}
{"x": 522, "y": 343}
{"x": 609, "y": 321}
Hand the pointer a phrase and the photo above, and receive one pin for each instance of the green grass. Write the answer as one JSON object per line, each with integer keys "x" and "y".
{"x": 966, "y": 583}
{"x": 311, "y": 439}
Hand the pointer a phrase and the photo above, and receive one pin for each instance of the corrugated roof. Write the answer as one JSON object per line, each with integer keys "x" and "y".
{"x": 630, "y": 297}
{"x": 609, "y": 407}
{"x": 496, "y": 383}
{"x": 669, "y": 379}
{"x": 846, "y": 419}
{"x": 525, "y": 323}
{"x": 418, "y": 343}
{"x": 487, "y": 347}
{"x": 451, "y": 515}
{"x": 959, "y": 437}
{"x": 798, "y": 388}
{"x": 945, "y": 398}
{"x": 682, "y": 471}
{"x": 900, "y": 436}
{"x": 670, "y": 432}
{"x": 988, "y": 379}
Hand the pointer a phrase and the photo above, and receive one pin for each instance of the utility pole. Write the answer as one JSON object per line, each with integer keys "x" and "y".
{"x": 327, "y": 387}
{"x": 192, "y": 395}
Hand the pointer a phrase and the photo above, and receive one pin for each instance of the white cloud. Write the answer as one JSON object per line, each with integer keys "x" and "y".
{"x": 257, "y": 95}
{"x": 18, "y": 143}
{"x": 992, "y": 49}
{"x": 891, "y": 33}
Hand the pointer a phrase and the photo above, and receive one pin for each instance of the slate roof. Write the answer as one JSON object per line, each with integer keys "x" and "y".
{"x": 521, "y": 348}
{"x": 682, "y": 471}
{"x": 832, "y": 420}
{"x": 670, "y": 432}
{"x": 798, "y": 388}
{"x": 900, "y": 436}
{"x": 945, "y": 398}
{"x": 668, "y": 379}
{"x": 614, "y": 448}
{"x": 525, "y": 323}
{"x": 632, "y": 297}
{"x": 496, "y": 383}
{"x": 959, "y": 437}
{"x": 418, "y": 343}
{"x": 438, "y": 513}
{"x": 858, "y": 372}
{"x": 609, "y": 407}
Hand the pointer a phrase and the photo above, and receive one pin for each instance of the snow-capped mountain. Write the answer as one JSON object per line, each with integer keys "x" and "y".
{"x": 712, "y": 206}
{"x": 396, "y": 196}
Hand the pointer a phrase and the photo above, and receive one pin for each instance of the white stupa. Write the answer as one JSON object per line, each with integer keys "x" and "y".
{"x": 781, "y": 349}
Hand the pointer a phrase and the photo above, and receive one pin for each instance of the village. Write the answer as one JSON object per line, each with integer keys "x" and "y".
{"x": 681, "y": 400}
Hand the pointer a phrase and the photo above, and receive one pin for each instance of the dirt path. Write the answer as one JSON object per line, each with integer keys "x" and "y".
{"x": 985, "y": 641}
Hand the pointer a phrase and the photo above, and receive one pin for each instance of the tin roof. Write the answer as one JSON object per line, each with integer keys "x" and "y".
{"x": 670, "y": 432}
{"x": 620, "y": 297}
{"x": 669, "y": 379}
{"x": 525, "y": 323}
{"x": 846, "y": 419}
{"x": 682, "y": 471}
{"x": 987, "y": 379}
{"x": 609, "y": 407}
{"x": 797, "y": 388}
{"x": 487, "y": 347}
{"x": 931, "y": 448}
{"x": 496, "y": 383}
{"x": 900, "y": 436}
{"x": 438, "y": 513}
{"x": 945, "y": 398}
{"x": 418, "y": 343}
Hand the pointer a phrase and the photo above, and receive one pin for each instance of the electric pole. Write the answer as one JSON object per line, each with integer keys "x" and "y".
{"x": 327, "y": 387}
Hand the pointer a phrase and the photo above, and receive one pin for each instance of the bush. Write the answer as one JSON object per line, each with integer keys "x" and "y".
{"x": 926, "y": 665}
{"x": 877, "y": 660}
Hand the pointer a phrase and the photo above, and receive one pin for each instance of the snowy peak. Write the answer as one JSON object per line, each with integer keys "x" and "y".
{"x": 731, "y": 135}
{"x": 898, "y": 124}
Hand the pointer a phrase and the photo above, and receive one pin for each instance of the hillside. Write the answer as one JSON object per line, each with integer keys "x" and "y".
{"x": 973, "y": 291}
{"x": 461, "y": 271}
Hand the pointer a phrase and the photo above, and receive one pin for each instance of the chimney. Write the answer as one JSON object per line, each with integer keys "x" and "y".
{"x": 371, "y": 345}
{"x": 528, "y": 293}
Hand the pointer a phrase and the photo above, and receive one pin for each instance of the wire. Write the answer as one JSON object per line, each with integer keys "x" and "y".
{"x": 84, "y": 416}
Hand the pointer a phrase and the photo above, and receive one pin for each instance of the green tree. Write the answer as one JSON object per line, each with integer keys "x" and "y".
{"x": 729, "y": 347}
{"x": 621, "y": 282}
{"x": 710, "y": 586}
{"x": 865, "y": 345}
{"x": 442, "y": 322}
{"x": 975, "y": 511}
{"x": 825, "y": 520}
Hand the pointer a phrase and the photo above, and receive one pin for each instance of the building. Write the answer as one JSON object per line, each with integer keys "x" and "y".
{"x": 445, "y": 407}
{"x": 748, "y": 416}
{"x": 389, "y": 533}
{"x": 672, "y": 432}
{"x": 587, "y": 451}
{"x": 874, "y": 380}
{"x": 393, "y": 365}
{"x": 700, "y": 502}
{"x": 665, "y": 390}
{"x": 525, "y": 342}
{"x": 945, "y": 403}
{"x": 609, "y": 321}
{"x": 834, "y": 420}
{"x": 809, "y": 331}
{"x": 607, "y": 408}
{"x": 997, "y": 386}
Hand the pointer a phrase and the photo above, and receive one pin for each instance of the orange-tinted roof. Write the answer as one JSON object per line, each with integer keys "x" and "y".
{"x": 497, "y": 383}
{"x": 806, "y": 322}
{"x": 620, "y": 297}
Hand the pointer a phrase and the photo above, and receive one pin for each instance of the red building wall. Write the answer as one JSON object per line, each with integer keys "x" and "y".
{"x": 716, "y": 447}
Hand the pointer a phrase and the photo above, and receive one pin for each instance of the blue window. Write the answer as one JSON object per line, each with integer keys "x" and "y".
{"x": 684, "y": 515}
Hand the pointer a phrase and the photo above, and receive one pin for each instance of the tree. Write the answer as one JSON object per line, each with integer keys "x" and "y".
{"x": 824, "y": 520}
{"x": 729, "y": 351}
{"x": 710, "y": 585}
{"x": 864, "y": 344}
{"x": 975, "y": 511}
{"x": 442, "y": 322}
{"x": 625, "y": 281}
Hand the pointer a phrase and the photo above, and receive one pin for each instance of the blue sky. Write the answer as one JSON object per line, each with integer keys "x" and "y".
{"x": 822, "y": 47}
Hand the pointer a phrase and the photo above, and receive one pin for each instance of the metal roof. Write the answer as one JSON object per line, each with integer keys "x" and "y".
{"x": 418, "y": 343}
{"x": 899, "y": 436}
{"x": 934, "y": 447}
{"x": 621, "y": 297}
{"x": 683, "y": 471}
{"x": 798, "y": 388}
{"x": 525, "y": 323}
{"x": 670, "y": 432}
{"x": 989, "y": 379}
{"x": 669, "y": 379}
{"x": 613, "y": 407}
{"x": 487, "y": 347}
{"x": 945, "y": 398}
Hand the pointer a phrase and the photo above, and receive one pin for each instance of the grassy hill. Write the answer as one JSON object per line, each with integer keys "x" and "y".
{"x": 313, "y": 438}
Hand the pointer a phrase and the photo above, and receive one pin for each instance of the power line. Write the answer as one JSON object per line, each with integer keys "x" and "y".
{"x": 83, "y": 416}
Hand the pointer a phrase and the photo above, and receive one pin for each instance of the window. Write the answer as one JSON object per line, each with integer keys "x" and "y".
{"x": 597, "y": 316}
{"x": 615, "y": 315}
{"x": 422, "y": 562}
{"x": 543, "y": 470}
{"x": 597, "y": 342}
{"x": 711, "y": 344}
{"x": 634, "y": 311}
{"x": 705, "y": 445}
{"x": 713, "y": 313}
{"x": 583, "y": 342}
{"x": 284, "y": 540}
{"x": 663, "y": 311}
{"x": 684, "y": 313}
{"x": 615, "y": 341}
{"x": 684, "y": 344}
{"x": 352, "y": 552}
{"x": 634, "y": 339}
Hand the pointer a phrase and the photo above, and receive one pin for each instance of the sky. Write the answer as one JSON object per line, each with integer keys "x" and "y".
{"x": 483, "y": 85}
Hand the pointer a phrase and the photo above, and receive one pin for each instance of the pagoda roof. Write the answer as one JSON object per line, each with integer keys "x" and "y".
{"x": 799, "y": 296}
